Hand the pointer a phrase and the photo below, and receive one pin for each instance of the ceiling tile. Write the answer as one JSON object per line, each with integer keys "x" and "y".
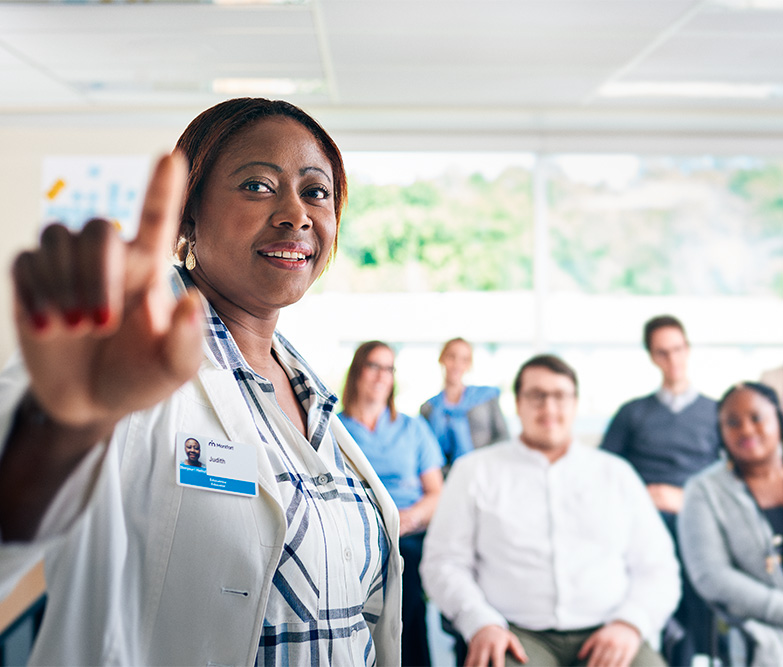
{"x": 433, "y": 62}
{"x": 102, "y": 19}
{"x": 537, "y": 53}
{"x": 700, "y": 57}
{"x": 475, "y": 87}
{"x": 736, "y": 23}
{"x": 509, "y": 17}
{"x": 67, "y": 50}
{"x": 23, "y": 88}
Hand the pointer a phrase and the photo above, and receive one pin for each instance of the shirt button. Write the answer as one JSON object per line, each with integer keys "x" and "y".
{"x": 323, "y": 479}
{"x": 347, "y": 553}
{"x": 354, "y": 635}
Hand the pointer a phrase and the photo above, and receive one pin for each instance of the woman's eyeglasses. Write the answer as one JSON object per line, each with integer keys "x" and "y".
{"x": 378, "y": 368}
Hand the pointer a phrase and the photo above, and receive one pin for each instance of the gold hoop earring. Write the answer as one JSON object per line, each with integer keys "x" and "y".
{"x": 190, "y": 260}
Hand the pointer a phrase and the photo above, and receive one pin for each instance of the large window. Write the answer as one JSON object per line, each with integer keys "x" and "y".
{"x": 439, "y": 223}
{"x": 522, "y": 253}
{"x": 664, "y": 226}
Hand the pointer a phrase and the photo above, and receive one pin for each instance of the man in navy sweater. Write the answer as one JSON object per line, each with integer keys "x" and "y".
{"x": 669, "y": 436}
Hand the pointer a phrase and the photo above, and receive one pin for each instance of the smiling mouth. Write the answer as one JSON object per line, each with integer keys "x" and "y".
{"x": 285, "y": 254}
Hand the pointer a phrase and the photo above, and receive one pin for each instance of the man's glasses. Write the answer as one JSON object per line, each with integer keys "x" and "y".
{"x": 667, "y": 353}
{"x": 538, "y": 398}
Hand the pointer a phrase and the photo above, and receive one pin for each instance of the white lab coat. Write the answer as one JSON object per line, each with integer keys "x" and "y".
{"x": 151, "y": 573}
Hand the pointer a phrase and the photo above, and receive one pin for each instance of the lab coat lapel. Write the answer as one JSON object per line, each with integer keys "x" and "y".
{"x": 229, "y": 405}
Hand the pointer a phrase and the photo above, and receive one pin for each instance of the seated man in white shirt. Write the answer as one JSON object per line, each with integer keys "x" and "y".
{"x": 549, "y": 552}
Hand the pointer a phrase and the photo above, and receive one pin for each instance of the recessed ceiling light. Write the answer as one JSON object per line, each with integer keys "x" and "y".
{"x": 250, "y": 86}
{"x": 691, "y": 89}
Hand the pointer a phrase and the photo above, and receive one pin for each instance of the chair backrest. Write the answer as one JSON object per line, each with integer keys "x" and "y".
{"x": 732, "y": 645}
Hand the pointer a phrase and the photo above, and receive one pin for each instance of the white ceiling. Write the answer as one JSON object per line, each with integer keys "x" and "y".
{"x": 403, "y": 65}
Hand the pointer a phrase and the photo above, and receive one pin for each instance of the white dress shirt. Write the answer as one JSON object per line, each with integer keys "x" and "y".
{"x": 566, "y": 545}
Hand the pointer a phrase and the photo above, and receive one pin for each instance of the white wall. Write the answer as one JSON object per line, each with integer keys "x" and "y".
{"x": 22, "y": 149}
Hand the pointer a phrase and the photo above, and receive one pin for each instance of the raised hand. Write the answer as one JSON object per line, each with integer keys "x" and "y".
{"x": 100, "y": 332}
{"x": 101, "y": 336}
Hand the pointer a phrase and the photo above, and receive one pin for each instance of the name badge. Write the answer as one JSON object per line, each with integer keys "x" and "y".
{"x": 215, "y": 465}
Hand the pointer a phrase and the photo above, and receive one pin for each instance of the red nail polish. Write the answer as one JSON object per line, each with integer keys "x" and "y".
{"x": 40, "y": 320}
{"x": 73, "y": 316}
{"x": 100, "y": 315}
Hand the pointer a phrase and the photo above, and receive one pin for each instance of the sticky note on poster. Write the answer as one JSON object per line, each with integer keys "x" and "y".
{"x": 76, "y": 188}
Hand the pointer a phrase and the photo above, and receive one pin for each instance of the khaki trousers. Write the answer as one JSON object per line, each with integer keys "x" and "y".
{"x": 555, "y": 648}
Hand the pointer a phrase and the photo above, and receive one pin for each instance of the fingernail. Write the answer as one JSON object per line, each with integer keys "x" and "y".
{"x": 73, "y": 316}
{"x": 100, "y": 315}
{"x": 40, "y": 321}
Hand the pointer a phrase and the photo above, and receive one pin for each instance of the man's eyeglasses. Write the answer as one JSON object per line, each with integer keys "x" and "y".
{"x": 378, "y": 368}
{"x": 538, "y": 398}
{"x": 667, "y": 353}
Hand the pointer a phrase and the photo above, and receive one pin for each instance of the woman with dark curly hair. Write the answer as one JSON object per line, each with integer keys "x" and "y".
{"x": 731, "y": 525}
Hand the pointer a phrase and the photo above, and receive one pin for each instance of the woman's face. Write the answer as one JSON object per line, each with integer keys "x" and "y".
{"x": 376, "y": 380}
{"x": 456, "y": 359}
{"x": 192, "y": 451}
{"x": 750, "y": 428}
{"x": 265, "y": 222}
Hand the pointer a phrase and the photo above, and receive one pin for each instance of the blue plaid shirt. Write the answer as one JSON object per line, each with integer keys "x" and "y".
{"x": 330, "y": 583}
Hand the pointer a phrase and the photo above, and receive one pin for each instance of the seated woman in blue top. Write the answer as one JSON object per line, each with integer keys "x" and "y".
{"x": 463, "y": 417}
{"x": 407, "y": 458}
{"x": 731, "y": 524}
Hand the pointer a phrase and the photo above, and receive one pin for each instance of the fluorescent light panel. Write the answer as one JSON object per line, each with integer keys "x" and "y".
{"x": 257, "y": 86}
{"x": 691, "y": 90}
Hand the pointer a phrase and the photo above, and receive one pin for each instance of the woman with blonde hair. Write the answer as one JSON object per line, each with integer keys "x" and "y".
{"x": 463, "y": 417}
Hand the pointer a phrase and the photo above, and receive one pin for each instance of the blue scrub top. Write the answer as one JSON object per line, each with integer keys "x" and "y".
{"x": 449, "y": 421}
{"x": 399, "y": 451}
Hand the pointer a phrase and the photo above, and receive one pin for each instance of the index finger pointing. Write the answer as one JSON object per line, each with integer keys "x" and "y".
{"x": 162, "y": 205}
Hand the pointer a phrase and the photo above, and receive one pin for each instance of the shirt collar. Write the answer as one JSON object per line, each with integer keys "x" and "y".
{"x": 222, "y": 351}
{"x": 677, "y": 402}
{"x": 538, "y": 458}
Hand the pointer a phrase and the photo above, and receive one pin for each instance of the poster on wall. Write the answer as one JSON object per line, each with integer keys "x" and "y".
{"x": 76, "y": 188}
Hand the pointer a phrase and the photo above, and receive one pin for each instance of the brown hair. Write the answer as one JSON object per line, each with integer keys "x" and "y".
{"x": 355, "y": 370}
{"x": 211, "y": 131}
{"x": 550, "y": 362}
{"x": 451, "y": 342}
{"x": 661, "y": 322}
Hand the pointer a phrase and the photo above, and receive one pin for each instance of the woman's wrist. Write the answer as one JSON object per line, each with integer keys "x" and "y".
{"x": 57, "y": 439}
